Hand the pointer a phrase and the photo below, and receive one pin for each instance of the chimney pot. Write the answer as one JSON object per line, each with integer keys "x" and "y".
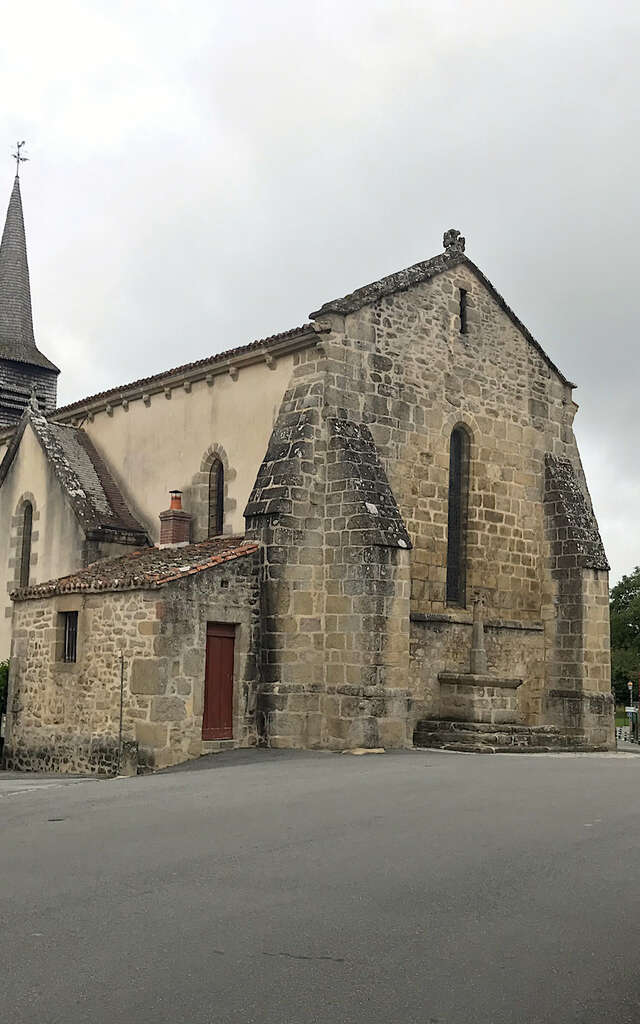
{"x": 175, "y": 523}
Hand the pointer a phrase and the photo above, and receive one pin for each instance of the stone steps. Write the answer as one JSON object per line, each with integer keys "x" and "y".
{"x": 488, "y": 738}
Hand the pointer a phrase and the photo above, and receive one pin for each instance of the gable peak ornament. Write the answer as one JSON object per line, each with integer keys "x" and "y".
{"x": 453, "y": 242}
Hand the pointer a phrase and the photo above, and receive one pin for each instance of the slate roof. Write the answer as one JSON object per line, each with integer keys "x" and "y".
{"x": 417, "y": 274}
{"x": 147, "y": 569}
{"x": 17, "y": 341}
{"x": 84, "y": 477}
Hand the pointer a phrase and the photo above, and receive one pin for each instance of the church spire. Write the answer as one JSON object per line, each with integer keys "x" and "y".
{"x": 17, "y": 341}
{"x": 23, "y": 368}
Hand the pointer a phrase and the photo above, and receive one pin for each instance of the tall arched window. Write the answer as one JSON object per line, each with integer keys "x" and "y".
{"x": 25, "y": 553}
{"x": 216, "y": 498}
{"x": 457, "y": 518}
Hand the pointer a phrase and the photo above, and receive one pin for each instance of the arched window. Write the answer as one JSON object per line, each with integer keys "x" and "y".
{"x": 25, "y": 553}
{"x": 457, "y": 518}
{"x": 216, "y": 498}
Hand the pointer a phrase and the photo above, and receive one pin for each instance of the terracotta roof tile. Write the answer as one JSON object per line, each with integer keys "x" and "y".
{"x": 145, "y": 569}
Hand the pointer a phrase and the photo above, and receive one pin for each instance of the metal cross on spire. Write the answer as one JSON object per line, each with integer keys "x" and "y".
{"x": 17, "y": 156}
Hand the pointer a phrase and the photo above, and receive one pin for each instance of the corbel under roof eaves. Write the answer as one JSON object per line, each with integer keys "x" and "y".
{"x": 218, "y": 368}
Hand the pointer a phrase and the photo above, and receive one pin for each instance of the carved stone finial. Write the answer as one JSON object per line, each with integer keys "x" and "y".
{"x": 33, "y": 401}
{"x": 453, "y": 242}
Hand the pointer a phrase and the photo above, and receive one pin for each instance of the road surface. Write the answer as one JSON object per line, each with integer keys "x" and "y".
{"x": 289, "y": 888}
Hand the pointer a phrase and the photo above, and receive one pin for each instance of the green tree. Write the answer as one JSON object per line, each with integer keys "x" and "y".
{"x": 625, "y": 635}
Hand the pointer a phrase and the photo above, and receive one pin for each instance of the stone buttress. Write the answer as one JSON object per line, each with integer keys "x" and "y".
{"x": 336, "y": 584}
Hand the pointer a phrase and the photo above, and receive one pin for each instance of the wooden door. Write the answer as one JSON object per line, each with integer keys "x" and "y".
{"x": 217, "y": 720}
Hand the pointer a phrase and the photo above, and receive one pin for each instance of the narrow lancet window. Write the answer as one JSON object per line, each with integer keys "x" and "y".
{"x": 457, "y": 517}
{"x": 463, "y": 311}
{"x": 216, "y": 498}
{"x": 25, "y": 553}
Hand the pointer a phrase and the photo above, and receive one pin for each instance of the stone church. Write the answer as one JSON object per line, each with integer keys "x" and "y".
{"x": 370, "y": 530}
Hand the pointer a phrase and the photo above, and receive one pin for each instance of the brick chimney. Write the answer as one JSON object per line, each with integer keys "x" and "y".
{"x": 175, "y": 523}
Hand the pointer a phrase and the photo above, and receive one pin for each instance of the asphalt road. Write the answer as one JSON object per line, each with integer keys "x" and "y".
{"x": 291, "y": 888}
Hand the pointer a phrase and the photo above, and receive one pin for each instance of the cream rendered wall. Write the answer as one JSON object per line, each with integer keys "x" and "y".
{"x": 152, "y": 448}
{"x": 57, "y": 539}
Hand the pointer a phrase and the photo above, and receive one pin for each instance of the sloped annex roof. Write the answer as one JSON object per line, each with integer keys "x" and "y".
{"x": 84, "y": 477}
{"x": 17, "y": 341}
{"x": 146, "y": 569}
{"x": 419, "y": 273}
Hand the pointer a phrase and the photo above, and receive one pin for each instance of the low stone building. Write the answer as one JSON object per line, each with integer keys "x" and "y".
{"x": 425, "y": 562}
{"x": 118, "y": 666}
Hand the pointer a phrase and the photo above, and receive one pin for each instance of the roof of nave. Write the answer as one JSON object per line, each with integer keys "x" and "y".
{"x": 83, "y": 475}
{"x": 261, "y": 345}
{"x": 17, "y": 341}
{"x": 146, "y": 569}
{"x": 453, "y": 256}
{"x": 402, "y": 280}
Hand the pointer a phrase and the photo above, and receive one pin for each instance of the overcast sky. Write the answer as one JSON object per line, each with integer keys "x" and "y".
{"x": 203, "y": 173}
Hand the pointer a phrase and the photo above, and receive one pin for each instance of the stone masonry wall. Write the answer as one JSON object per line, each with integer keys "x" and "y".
{"x": 412, "y": 376}
{"x": 336, "y": 587}
{"x": 401, "y": 367}
{"x": 578, "y": 698}
{"x": 65, "y": 717}
{"x": 442, "y": 644}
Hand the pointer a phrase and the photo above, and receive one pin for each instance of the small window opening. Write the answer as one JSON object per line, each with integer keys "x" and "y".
{"x": 25, "y": 553}
{"x": 69, "y": 636}
{"x": 216, "y": 499}
{"x": 463, "y": 311}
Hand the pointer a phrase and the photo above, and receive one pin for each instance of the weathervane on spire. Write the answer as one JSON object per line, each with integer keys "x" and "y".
{"x": 17, "y": 156}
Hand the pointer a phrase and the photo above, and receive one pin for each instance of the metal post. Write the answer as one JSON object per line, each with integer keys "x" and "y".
{"x": 121, "y": 711}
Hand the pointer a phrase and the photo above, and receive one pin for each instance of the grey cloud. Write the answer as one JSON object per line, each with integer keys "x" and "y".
{"x": 204, "y": 174}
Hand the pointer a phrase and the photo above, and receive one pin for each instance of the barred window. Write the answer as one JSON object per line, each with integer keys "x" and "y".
{"x": 457, "y": 517}
{"x": 69, "y": 636}
{"x": 25, "y": 552}
{"x": 216, "y": 498}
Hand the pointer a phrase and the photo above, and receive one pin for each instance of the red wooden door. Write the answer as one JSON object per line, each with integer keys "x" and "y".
{"x": 217, "y": 720}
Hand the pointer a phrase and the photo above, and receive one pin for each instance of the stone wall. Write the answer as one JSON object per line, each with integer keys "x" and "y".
{"x": 401, "y": 367}
{"x": 578, "y": 698}
{"x": 65, "y": 717}
{"x": 336, "y": 584}
{"x": 59, "y": 545}
{"x": 442, "y": 643}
